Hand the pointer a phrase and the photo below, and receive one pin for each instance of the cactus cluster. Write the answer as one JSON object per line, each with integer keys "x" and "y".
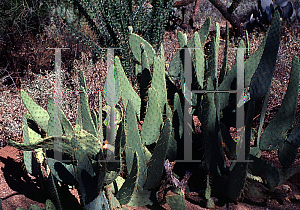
{"x": 107, "y": 184}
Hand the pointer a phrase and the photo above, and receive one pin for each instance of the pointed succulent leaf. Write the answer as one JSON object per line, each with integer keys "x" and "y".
{"x": 82, "y": 81}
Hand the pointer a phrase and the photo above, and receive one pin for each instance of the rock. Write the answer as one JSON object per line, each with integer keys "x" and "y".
{"x": 298, "y": 13}
{"x": 284, "y": 188}
{"x": 295, "y": 198}
{"x": 281, "y": 3}
{"x": 287, "y": 11}
{"x": 264, "y": 4}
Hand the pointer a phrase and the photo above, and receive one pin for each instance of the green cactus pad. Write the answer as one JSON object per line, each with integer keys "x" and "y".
{"x": 112, "y": 200}
{"x": 85, "y": 174}
{"x": 214, "y": 155}
{"x": 90, "y": 144}
{"x": 223, "y": 71}
{"x": 46, "y": 143}
{"x": 135, "y": 42}
{"x": 38, "y": 113}
{"x": 261, "y": 80}
{"x": 133, "y": 144}
{"x": 199, "y": 59}
{"x": 64, "y": 173}
{"x": 177, "y": 108}
{"x": 286, "y": 173}
{"x": 29, "y": 136}
{"x": 50, "y": 205}
{"x": 269, "y": 173}
{"x": 156, "y": 164}
{"x": 294, "y": 137}
{"x": 127, "y": 189}
{"x": 255, "y": 189}
{"x": 287, "y": 154}
{"x": 159, "y": 82}
{"x": 127, "y": 91}
{"x": 54, "y": 124}
{"x": 153, "y": 119}
{"x": 140, "y": 198}
{"x": 85, "y": 114}
{"x": 117, "y": 90}
{"x": 32, "y": 207}
{"x": 100, "y": 202}
{"x": 238, "y": 174}
{"x": 204, "y": 30}
{"x": 175, "y": 199}
{"x": 176, "y": 66}
{"x": 275, "y": 133}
